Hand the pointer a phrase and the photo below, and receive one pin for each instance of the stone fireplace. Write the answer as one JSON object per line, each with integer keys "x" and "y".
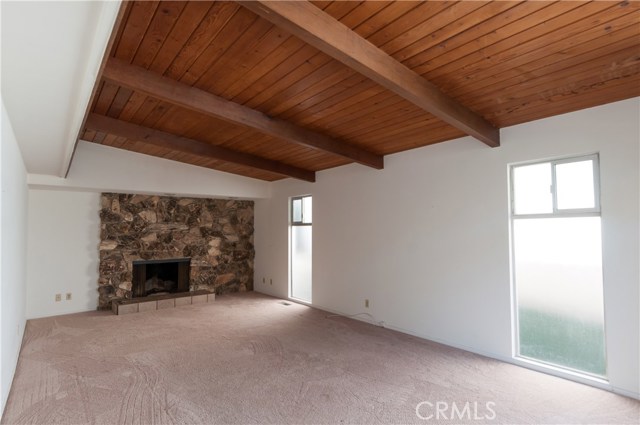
{"x": 207, "y": 242}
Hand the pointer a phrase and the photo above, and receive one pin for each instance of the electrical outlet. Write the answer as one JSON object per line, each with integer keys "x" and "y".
{"x": 68, "y": 296}
{"x": 366, "y": 303}
{"x": 58, "y": 297}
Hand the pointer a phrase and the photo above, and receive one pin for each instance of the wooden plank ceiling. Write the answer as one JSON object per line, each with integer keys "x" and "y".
{"x": 275, "y": 90}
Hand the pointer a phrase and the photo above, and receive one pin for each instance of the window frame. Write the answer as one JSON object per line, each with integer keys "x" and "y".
{"x": 574, "y": 212}
{"x": 300, "y": 222}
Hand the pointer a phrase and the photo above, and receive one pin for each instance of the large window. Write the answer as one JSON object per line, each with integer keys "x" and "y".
{"x": 557, "y": 259}
{"x": 300, "y": 248}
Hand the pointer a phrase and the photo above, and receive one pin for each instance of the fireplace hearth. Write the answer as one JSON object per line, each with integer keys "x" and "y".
{"x": 160, "y": 277}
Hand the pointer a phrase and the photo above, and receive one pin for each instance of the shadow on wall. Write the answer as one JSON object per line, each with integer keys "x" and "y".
{"x": 94, "y": 265}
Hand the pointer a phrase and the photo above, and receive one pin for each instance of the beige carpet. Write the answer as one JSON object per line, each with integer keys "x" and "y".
{"x": 249, "y": 359}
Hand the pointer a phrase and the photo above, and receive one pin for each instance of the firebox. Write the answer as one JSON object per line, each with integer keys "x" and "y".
{"x": 160, "y": 277}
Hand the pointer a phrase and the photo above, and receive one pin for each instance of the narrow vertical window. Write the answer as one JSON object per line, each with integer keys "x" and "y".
{"x": 557, "y": 259}
{"x": 300, "y": 248}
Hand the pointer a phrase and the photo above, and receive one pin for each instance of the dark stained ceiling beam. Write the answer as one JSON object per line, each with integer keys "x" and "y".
{"x": 309, "y": 23}
{"x": 183, "y": 95}
{"x": 154, "y": 137}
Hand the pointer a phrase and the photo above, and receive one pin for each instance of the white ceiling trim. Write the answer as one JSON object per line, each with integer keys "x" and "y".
{"x": 104, "y": 28}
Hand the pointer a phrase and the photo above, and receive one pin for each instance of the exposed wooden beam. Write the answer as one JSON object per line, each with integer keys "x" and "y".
{"x": 315, "y": 27}
{"x": 171, "y": 141}
{"x": 168, "y": 90}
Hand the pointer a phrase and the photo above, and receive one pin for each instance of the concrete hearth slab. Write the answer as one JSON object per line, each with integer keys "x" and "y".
{"x": 141, "y": 305}
{"x": 166, "y": 304}
{"x": 147, "y": 306}
{"x": 183, "y": 301}
{"x": 199, "y": 299}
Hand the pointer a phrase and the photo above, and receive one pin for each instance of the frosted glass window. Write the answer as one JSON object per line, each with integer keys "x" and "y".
{"x": 532, "y": 189}
{"x": 557, "y": 260}
{"x": 301, "y": 262}
{"x": 558, "y": 271}
{"x": 575, "y": 185}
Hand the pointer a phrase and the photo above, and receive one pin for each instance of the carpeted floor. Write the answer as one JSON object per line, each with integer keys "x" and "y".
{"x": 250, "y": 359}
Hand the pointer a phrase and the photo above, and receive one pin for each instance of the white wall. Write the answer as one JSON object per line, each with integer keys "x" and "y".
{"x": 51, "y": 53}
{"x": 64, "y": 235}
{"x": 106, "y": 169}
{"x": 13, "y": 231}
{"x": 64, "y": 222}
{"x": 426, "y": 240}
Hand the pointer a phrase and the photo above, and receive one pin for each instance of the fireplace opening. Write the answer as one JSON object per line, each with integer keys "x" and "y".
{"x": 160, "y": 277}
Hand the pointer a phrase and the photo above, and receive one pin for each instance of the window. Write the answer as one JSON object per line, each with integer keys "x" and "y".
{"x": 300, "y": 248}
{"x": 301, "y": 211}
{"x": 566, "y": 186}
{"x": 557, "y": 261}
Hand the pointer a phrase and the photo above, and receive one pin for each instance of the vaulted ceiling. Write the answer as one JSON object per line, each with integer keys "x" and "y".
{"x": 284, "y": 89}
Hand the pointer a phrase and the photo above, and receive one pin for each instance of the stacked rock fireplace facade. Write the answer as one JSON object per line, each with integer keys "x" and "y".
{"x": 216, "y": 234}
